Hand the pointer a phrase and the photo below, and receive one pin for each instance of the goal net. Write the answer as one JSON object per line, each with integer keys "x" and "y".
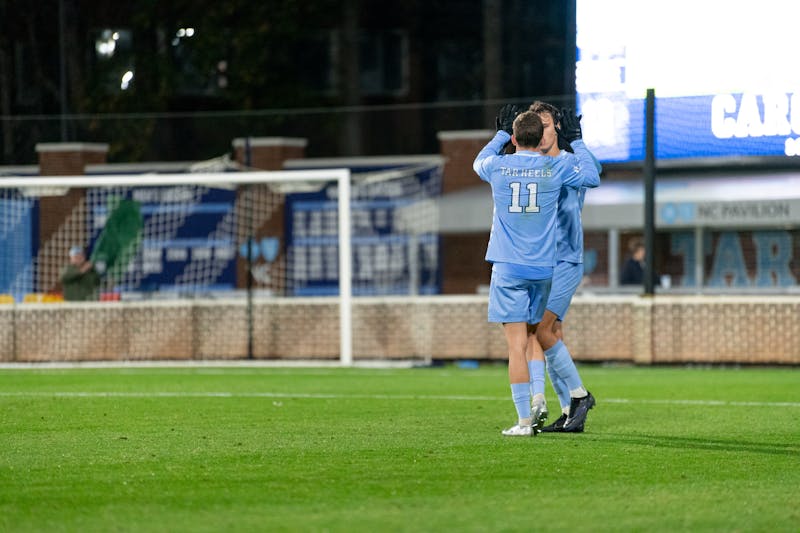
{"x": 218, "y": 265}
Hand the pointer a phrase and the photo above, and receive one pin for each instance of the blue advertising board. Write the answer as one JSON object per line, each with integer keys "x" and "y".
{"x": 188, "y": 238}
{"x": 19, "y": 227}
{"x": 389, "y": 257}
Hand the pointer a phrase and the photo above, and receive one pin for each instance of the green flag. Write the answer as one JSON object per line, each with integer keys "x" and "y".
{"x": 120, "y": 238}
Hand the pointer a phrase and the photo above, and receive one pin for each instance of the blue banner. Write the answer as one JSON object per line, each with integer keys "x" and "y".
{"x": 389, "y": 254}
{"x": 18, "y": 245}
{"x": 689, "y": 127}
{"x": 188, "y": 239}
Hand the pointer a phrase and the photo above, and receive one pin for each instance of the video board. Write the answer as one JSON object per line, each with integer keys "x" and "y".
{"x": 723, "y": 71}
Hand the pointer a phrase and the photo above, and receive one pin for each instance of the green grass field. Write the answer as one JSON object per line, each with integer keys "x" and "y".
{"x": 353, "y": 449}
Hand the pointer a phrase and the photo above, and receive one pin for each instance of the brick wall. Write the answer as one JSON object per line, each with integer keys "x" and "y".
{"x": 69, "y": 159}
{"x": 641, "y": 330}
{"x": 459, "y": 149}
{"x": 269, "y": 153}
{"x": 463, "y": 266}
{"x": 266, "y": 153}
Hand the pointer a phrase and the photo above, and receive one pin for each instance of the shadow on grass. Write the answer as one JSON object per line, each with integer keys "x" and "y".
{"x": 731, "y": 445}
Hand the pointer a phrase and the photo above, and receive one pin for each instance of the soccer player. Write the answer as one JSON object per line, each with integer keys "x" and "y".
{"x": 525, "y": 189}
{"x": 573, "y": 397}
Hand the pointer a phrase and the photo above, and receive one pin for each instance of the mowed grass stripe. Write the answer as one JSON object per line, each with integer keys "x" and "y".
{"x": 285, "y": 395}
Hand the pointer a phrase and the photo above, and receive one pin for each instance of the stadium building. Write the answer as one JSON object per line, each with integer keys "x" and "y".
{"x": 726, "y": 250}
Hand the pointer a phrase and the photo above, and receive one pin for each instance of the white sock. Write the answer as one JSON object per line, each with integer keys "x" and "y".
{"x": 580, "y": 392}
{"x": 525, "y": 421}
{"x": 538, "y": 399}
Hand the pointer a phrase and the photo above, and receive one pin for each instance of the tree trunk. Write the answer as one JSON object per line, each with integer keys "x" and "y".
{"x": 350, "y": 78}
{"x": 5, "y": 103}
{"x": 492, "y": 57}
{"x": 76, "y": 78}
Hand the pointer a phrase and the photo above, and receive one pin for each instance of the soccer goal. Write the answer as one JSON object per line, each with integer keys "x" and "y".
{"x": 222, "y": 265}
{"x": 167, "y": 238}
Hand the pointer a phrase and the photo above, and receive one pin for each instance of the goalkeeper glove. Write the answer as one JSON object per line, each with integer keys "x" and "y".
{"x": 505, "y": 118}
{"x": 569, "y": 126}
{"x": 563, "y": 143}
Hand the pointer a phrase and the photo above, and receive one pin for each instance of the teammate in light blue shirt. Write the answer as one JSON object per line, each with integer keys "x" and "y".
{"x": 526, "y": 186}
{"x": 575, "y": 400}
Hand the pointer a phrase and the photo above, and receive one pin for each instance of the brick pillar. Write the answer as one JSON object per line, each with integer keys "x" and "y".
{"x": 61, "y": 218}
{"x": 266, "y": 153}
{"x": 269, "y": 153}
{"x": 69, "y": 159}
{"x": 463, "y": 266}
{"x": 642, "y": 328}
{"x": 459, "y": 149}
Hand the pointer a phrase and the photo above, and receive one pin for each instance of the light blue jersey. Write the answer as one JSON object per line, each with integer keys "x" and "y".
{"x": 569, "y": 245}
{"x": 526, "y": 187}
{"x": 570, "y": 225}
{"x": 568, "y": 273}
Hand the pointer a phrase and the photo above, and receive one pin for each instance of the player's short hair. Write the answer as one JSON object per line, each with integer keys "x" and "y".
{"x": 528, "y": 129}
{"x": 540, "y": 107}
{"x": 635, "y": 244}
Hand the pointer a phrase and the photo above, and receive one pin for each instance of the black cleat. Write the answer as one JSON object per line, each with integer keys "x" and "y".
{"x": 578, "y": 409}
{"x": 539, "y": 415}
{"x": 555, "y": 427}
{"x": 558, "y": 427}
{"x": 578, "y": 429}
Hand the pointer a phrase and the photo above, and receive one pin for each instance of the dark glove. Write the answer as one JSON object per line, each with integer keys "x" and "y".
{"x": 563, "y": 143}
{"x": 505, "y": 118}
{"x": 569, "y": 127}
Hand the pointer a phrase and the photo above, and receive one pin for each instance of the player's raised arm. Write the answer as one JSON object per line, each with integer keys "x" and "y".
{"x": 588, "y": 167}
{"x": 505, "y": 128}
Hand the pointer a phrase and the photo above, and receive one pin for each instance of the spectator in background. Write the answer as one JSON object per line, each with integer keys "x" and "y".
{"x": 633, "y": 269}
{"x": 79, "y": 278}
